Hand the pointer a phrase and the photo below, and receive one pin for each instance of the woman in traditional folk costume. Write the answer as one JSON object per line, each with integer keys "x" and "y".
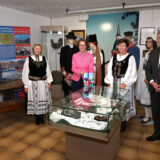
{"x": 122, "y": 73}
{"x": 37, "y": 79}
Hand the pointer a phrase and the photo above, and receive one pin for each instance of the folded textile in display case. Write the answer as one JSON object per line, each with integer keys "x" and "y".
{"x": 92, "y": 112}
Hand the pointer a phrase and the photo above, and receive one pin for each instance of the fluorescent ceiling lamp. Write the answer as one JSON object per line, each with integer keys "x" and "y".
{"x": 123, "y": 6}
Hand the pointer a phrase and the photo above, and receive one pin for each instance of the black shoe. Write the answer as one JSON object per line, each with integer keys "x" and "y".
{"x": 154, "y": 137}
{"x": 123, "y": 126}
{"x": 37, "y": 121}
{"x": 141, "y": 117}
{"x": 142, "y": 121}
{"x": 42, "y": 119}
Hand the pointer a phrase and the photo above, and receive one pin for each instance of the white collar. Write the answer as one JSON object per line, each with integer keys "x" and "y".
{"x": 34, "y": 58}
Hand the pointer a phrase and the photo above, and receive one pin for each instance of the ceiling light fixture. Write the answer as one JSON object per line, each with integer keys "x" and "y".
{"x": 124, "y": 6}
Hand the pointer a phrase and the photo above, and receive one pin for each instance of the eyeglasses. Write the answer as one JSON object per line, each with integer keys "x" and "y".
{"x": 82, "y": 45}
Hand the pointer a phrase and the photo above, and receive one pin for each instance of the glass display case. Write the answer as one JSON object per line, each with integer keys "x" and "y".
{"x": 96, "y": 108}
{"x": 91, "y": 118}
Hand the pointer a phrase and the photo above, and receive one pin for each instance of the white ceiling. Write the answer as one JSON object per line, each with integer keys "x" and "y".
{"x": 57, "y": 8}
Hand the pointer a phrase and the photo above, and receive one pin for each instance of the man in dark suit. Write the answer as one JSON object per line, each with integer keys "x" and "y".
{"x": 153, "y": 76}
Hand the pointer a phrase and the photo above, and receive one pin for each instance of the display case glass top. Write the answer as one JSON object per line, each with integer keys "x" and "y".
{"x": 97, "y": 108}
{"x": 100, "y": 100}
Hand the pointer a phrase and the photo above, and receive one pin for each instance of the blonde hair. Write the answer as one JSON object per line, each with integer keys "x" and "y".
{"x": 35, "y": 46}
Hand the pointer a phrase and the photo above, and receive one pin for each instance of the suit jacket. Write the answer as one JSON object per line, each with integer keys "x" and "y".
{"x": 152, "y": 67}
{"x": 66, "y": 57}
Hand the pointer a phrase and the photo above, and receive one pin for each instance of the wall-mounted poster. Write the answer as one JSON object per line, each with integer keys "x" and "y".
{"x": 14, "y": 48}
{"x": 146, "y": 32}
{"x": 110, "y": 27}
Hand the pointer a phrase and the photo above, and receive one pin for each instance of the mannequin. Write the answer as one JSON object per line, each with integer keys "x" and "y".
{"x": 98, "y": 58}
{"x": 66, "y": 62}
{"x": 132, "y": 49}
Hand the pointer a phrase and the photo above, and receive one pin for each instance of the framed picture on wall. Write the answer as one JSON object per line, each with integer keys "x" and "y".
{"x": 146, "y": 32}
{"x": 79, "y": 34}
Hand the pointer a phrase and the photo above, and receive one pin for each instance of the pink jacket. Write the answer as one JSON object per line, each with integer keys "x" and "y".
{"x": 81, "y": 63}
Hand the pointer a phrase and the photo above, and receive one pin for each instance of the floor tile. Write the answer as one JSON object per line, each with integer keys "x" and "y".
{"x": 5, "y": 155}
{"x": 18, "y": 134}
{"x": 47, "y": 143}
{"x": 32, "y": 138}
{"x": 4, "y": 142}
{"x": 33, "y": 153}
{"x": 8, "y": 130}
{"x": 45, "y": 130}
{"x": 31, "y": 127}
{"x": 60, "y": 147}
{"x": 134, "y": 134}
{"x": 149, "y": 129}
{"x": 130, "y": 142}
{"x": 127, "y": 153}
{"x": 19, "y": 158}
{"x": 53, "y": 156}
{"x": 63, "y": 139}
{"x": 19, "y": 124}
{"x": 151, "y": 147}
{"x": 57, "y": 134}
{"x": 17, "y": 146}
{"x": 146, "y": 155}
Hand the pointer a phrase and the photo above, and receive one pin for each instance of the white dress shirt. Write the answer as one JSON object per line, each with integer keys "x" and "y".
{"x": 130, "y": 75}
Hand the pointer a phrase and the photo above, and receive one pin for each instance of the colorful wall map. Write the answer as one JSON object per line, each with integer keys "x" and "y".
{"x": 14, "y": 48}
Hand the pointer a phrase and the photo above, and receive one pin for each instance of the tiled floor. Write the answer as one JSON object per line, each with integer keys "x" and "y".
{"x": 21, "y": 139}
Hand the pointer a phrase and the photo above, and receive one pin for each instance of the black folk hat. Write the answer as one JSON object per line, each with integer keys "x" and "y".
{"x": 71, "y": 35}
{"x": 93, "y": 38}
{"x": 128, "y": 33}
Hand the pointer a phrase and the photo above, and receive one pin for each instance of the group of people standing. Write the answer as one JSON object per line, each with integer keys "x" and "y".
{"x": 76, "y": 60}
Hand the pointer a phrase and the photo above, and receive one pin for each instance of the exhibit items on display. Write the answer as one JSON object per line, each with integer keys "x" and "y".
{"x": 52, "y": 39}
{"x": 91, "y": 108}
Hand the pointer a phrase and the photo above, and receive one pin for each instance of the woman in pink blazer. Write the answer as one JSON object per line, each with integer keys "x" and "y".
{"x": 82, "y": 62}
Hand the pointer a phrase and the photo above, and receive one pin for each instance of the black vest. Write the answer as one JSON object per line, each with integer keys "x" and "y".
{"x": 35, "y": 70}
{"x": 119, "y": 68}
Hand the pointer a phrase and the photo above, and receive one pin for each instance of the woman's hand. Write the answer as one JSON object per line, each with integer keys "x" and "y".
{"x": 49, "y": 86}
{"x": 122, "y": 86}
{"x": 108, "y": 85}
{"x": 26, "y": 90}
{"x": 146, "y": 82}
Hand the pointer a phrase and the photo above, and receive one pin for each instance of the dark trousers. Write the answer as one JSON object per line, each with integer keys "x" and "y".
{"x": 155, "y": 105}
{"x": 66, "y": 91}
{"x": 76, "y": 85}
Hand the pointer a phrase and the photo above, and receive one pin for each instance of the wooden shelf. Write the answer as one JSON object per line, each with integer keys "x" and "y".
{"x": 15, "y": 84}
{"x": 12, "y": 104}
{"x": 8, "y": 87}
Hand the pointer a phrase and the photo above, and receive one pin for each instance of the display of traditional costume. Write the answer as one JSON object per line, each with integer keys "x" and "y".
{"x": 98, "y": 59}
{"x": 66, "y": 63}
{"x": 132, "y": 49}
